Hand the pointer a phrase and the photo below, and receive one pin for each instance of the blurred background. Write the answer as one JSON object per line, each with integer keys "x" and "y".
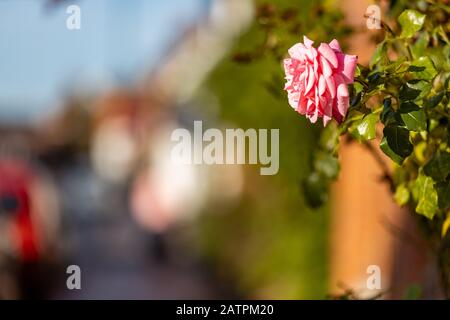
{"x": 85, "y": 172}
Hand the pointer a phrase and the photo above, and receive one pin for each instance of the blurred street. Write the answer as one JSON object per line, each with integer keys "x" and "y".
{"x": 87, "y": 177}
{"x": 118, "y": 259}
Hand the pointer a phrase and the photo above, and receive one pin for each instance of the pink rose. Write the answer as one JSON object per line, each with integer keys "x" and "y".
{"x": 317, "y": 80}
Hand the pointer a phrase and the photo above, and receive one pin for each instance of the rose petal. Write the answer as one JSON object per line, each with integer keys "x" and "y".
{"x": 314, "y": 116}
{"x": 322, "y": 85}
{"x": 342, "y": 99}
{"x": 328, "y": 53}
{"x": 347, "y": 66}
{"x": 310, "y": 80}
{"x": 334, "y": 44}
{"x": 326, "y": 68}
{"x": 331, "y": 86}
{"x": 297, "y": 51}
{"x": 308, "y": 43}
{"x": 302, "y": 105}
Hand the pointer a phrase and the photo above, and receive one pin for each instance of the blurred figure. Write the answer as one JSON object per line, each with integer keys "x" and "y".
{"x": 29, "y": 224}
{"x": 164, "y": 193}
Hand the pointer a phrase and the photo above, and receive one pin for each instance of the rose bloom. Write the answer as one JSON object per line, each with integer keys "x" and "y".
{"x": 317, "y": 80}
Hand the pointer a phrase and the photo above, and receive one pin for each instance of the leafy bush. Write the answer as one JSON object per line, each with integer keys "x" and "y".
{"x": 402, "y": 98}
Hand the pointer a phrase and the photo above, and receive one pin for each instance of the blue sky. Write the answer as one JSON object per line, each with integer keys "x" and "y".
{"x": 41, "y": 60}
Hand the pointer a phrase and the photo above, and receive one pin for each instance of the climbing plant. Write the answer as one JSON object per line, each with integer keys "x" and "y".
{"x": 400, "y": 100}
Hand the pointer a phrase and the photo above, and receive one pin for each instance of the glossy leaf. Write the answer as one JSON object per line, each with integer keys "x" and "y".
{"x": 365, "y": 129}
{"x": 384, "y": 146}
{"x": 401, "y": 195}
{"x": 408, "y": 93}
{"x": 434, "y": 100}
{"x": 380, "y": 54}
{"x": 438, "y": 167}
{"x": 415, "y": 120}
{"x": 420, "y": 45}
{"x": 422, "y": 86}
{"x": 426, "y": 196}
{"x": 398, "y": 140}
{"x": 443, "y": 191}
{"x": 411, "y": 21}
{"x": 423, "y": 68}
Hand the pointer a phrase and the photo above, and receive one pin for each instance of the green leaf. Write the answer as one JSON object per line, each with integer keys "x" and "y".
{"x": 421, "y": 44}
{"x": 361, "y": 70}
{"x": 439, "y": 30}
{"x": 445, "y": 226}
{"x": 398, "y": 66}
{"x": 380, "y": 53}
{"x": 419, "y": 151}
{"x": 415, "y": 120}
{"x": 426, "y": 196}
{"x": 415, "y": 68}
{"x": 364, "y": 129}
{"x": 401, "y": 195}
{"x": 315, "y": 190}
{"x": 384, "y": 146}
{"x": 407, "y": 93}
{"x": 411, "y": 22}
{"x": 423, "y": 68}
{"x": 423, "y": 86}
{"x": 329, "y": 138}
{"x": 387, "y": 110}
{"x": 438, "y": 167}
{"x": 375, "y": 79}
{"x": 398, "y": 140}
{"x": 388, "y": 116}
{"x": 434, "y": 100}
{"x": 356, "y": 100}
{"x": 443, "y": 191}
{"x": 327, "y": 165}
{"x": 408, "y": 106}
